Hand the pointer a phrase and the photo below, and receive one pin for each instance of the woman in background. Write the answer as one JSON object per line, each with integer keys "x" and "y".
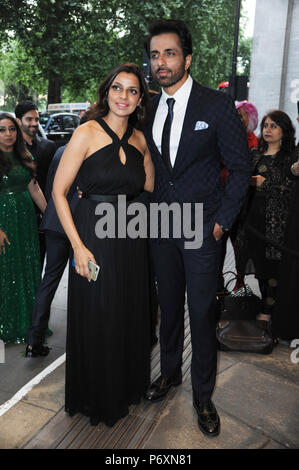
{"x": 272, "y": 184}
{"x": 249, "y": 117}
{"x": 19, "y": 244}
{"x": 285, "y": 321}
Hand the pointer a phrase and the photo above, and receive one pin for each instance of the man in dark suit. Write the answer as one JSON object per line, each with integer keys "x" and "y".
{"x": 41, "y": 149}
{"x": 58, "y": 252}
{"x": 192, "y": 128}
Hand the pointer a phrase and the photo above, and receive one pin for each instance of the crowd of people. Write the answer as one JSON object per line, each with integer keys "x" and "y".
{"x": 187, "y": 144}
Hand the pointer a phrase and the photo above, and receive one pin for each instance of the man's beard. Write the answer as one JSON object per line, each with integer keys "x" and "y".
{"x": 30, "y": 131}
{"x": 167, "y": 82}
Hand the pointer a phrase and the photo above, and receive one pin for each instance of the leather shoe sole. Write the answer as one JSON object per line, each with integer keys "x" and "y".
{"x": 208, "y": 418}
{"x": 159, "y": 389}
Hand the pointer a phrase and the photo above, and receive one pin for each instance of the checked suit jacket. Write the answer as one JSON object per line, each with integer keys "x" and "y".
{"x": 50, "y": 220}
{"x": 212, "y": 132}
{"x": 43, "y": 151}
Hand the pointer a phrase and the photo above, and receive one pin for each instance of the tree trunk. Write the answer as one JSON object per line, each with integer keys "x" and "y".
{"x": 23, "y": 93}
{"x": 54, "y": 88}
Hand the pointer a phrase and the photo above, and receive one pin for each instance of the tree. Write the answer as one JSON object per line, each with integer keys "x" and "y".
{"x": 211, "y": 23}
{"x": 48, "y": 31}
{"x": 244, "y": 55}
{"x": 20, "y": 77}
{"x": 74, "y": 44}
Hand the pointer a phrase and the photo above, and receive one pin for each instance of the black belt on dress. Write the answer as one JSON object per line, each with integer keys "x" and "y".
{"x": 106, "y": 198}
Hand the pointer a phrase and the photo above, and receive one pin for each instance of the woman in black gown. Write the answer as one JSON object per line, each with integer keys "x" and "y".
{"x": 261, "y": 237}
{"x": 108, "y": 329}
{"x": 285, "y": 321}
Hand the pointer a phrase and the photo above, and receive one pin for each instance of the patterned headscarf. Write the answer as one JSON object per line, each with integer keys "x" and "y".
{"x": 252, "y": 114}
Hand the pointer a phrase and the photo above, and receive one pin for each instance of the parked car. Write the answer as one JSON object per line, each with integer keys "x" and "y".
{"x": 59, "y": 127}
{"x": 41, "y": 132}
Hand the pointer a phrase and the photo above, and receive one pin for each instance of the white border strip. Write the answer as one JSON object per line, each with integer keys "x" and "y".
{"x": 36, "y": 380}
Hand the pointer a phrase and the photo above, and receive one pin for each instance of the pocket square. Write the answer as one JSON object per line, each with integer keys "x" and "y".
{"x": 200, "y": 125}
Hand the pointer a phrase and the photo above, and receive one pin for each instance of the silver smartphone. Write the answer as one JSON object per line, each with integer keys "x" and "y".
{"x": 94, "y": 270}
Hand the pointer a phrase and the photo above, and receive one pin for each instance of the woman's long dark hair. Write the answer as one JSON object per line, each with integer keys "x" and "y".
{"x": 288, "y": 132}
{"x": 101, "y": 107}
{"x": 21, "y": 153}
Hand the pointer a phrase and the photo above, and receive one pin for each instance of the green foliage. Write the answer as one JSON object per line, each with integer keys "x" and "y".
{"x": 21, "y": 77}
{"x": 244, "y": 53}
{"x": 78, "y": 43}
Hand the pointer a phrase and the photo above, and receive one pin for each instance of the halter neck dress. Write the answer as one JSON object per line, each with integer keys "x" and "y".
{"x": 108, "y": 325}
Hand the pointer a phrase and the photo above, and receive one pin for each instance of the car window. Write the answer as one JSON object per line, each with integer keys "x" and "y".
{"x": 41, "y": 132}
{"x": 43, "y": 119}
{"x": 76, "y": 121}
{"x": 56, "y": 124}
{"x": 68, "y": 122}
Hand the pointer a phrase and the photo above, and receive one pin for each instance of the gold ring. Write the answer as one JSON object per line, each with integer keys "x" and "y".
{"x": 78, "y": 270}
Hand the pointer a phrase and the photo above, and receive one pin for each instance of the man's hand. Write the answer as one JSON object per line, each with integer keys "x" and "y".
{"x": 217, "y": 232}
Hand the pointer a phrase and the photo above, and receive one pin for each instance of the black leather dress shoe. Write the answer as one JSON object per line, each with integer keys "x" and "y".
{"x": 35, "y": 350}
{"x": 161, "y": 387}
{"x": 208, "y": 418}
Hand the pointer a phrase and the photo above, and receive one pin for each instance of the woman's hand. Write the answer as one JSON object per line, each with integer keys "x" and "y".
{"x": 82, "y": 255}
{"x": 3, "y": 239}
{"x": 257, "y": 180}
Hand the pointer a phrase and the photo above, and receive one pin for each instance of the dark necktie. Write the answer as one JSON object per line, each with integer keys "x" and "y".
{"x": 166, "y": 133}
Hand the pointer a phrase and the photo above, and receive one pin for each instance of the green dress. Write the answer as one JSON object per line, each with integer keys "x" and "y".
{"x": 20, "y": 265}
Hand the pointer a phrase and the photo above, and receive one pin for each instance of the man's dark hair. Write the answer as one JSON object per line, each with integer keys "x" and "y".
{"x": 23, "y": 107}
{"x": 170, "y": 26}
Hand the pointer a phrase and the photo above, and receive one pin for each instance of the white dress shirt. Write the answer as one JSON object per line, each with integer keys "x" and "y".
{"x": 179, "y": 110}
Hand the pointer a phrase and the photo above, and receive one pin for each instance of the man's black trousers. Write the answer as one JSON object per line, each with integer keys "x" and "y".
{"x": 58, "y": 252}
{"x": 193, "y": 270}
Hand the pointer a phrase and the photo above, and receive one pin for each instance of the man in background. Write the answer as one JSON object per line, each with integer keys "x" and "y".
{"x": 41, "y": 149}
{"x": 58, "y": 252}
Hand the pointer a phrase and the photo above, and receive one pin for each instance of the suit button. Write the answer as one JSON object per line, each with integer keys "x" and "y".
{"x": 170, "y": 183}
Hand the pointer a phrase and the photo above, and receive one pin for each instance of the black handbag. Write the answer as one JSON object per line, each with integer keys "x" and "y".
{"x": 241, "y": 304}
{"x": 237, "y": 328}
{"x": 245, "y": 336}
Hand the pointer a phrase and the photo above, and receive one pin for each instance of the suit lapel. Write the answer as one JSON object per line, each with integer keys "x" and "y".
{"x": 188, "y": 125}
{"x": 154, "y": 106}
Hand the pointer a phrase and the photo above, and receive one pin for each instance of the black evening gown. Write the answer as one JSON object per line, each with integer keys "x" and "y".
{"x": 285, "y": 320}
{"x": 108, "y": 325}
{"x": 264, "y": 268}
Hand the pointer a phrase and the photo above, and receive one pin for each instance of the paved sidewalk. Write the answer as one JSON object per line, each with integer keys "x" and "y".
{"x": 257, "y": 398}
